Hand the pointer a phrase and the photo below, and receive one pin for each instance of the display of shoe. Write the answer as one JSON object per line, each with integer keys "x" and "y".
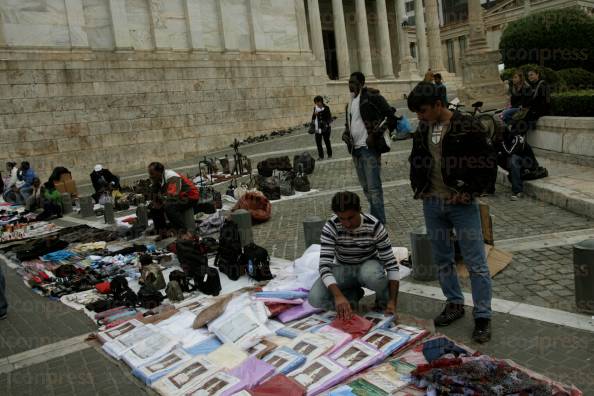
{"x": 482, "y": 330}
{"x": 450, "y": 314}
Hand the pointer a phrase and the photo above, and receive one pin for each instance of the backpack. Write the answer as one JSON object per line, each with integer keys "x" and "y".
{"x": 266, "y": 167}
{"x": 536, "y": 173}
{"x": 228, "y": 255}
{"x": 181, "y": 278}
{"x": 149, "y": 297}
{"x": 256, "y": 261}
{"x": 174, "y": 291}
{"x": 287, "y": 186}
{"x": 270, "y": 187}
{"x": 208, "y": 281}
{"x": 190, "y": 255}
{"x": 306, "y": 160}
{"x": 118, "y": 286}
{"x": 152, "y": 274}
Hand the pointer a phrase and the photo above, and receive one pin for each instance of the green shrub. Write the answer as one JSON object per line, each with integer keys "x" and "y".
{"x": 577, "y": 78}
{"x": 558, "y": 39}
{"x": 573, "y": 103}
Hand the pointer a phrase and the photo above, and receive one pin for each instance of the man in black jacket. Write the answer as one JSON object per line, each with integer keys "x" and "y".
{"x": 368, "y": 115}
{"x": 452, "y": 163}
{"x": 101, "y": 177}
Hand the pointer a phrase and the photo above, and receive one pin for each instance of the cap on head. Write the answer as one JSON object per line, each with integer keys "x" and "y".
{"x": 98, "y": 168}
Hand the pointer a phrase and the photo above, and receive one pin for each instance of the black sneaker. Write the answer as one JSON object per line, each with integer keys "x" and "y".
{"x": 482, "y": 330}
{"x": 450, "y": 313}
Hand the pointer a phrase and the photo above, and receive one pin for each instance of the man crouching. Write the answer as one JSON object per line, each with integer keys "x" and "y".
{"x": 356, "y": 252}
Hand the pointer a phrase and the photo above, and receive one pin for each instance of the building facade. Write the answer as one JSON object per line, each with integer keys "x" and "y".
{"x": 125, "y": 82}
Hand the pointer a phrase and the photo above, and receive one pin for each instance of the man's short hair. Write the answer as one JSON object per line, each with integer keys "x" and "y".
{"x": 359, "y": 76}
{"x": 159, "y": 167}
{"x": 318, "y": 99}
{"x": 437, "y": 75}
{"x": 345, "y": 200}
{"x": 425, "y": 93}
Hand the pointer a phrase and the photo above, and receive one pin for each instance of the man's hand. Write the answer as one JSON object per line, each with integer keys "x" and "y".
{"x": 463, "y": 198}
{"x": 343, "y": 308}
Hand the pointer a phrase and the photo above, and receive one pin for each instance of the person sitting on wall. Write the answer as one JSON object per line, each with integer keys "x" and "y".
{"x": 356, "y": 252}
{"x": 174, "y": 197}
{"x": 102, "y": 178}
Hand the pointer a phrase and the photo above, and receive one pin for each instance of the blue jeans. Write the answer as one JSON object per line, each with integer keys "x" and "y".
{"x": 3, "y": 302}
{"x": 26, "y": 192}
{"x": 368, "y": 165}
{"x": 516, "y": 163}
{"x": 349, "y": 279}
{"x": 508, "y": 115}
{"x": 440, "y": 219}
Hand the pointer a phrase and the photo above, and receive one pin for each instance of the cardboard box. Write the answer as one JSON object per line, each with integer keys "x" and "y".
{"x": 68, "y": 186}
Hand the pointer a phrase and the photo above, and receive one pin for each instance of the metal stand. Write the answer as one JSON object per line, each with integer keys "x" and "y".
{"x": 66, "y": 203}
{"x": 86, "y": 206}
{"x": 108, "y": 214}
{"x": 423, "y": 268}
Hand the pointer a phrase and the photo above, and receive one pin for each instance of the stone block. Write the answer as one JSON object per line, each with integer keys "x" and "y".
{"x": 579, "y": 144}
{"x": 546, "y": 140}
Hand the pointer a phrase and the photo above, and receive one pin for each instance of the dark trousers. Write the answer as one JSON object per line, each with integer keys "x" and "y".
{"x": 326, "y": 136}
{"x": 175, "y": 213}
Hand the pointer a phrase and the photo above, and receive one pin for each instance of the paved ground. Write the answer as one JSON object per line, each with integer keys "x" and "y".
{"x": 538, "y": 275}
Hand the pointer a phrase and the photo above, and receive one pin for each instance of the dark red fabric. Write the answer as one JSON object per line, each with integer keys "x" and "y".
{"x": 278, "y": 385}
{"x": 355, "y": 326}
{"x": 277, "y": 308}
{"x": 103, "y": 287}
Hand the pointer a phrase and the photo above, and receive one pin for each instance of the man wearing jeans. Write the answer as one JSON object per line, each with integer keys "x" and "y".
{"x": 365, "y": 113}
{"x": 451, "y": 163}
{"x": 356, "y": 252}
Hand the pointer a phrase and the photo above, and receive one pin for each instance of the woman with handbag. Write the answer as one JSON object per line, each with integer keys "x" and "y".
{"x": 321, "y": 121}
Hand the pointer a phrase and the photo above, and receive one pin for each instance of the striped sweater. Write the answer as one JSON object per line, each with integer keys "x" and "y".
{"x": 341, "y": 246}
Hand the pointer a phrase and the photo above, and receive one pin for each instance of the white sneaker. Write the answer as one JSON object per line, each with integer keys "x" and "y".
{"x": 514, "y": 197}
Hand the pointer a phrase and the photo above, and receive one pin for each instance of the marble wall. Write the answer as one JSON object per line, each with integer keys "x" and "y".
{"x": 244, "y": 25}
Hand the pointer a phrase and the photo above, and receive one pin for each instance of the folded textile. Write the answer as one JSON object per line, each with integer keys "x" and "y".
{"x": 58, "y": 255}
{"x": 379, "y": 320}
{"x": 262, "y": 349}
{"x": 356, "y": 326}
{"x": 219, "y": 383}
{"x": 181, "y": 380}
{"x": 203, "y": 347}
{"x": 308, "y": 324}
{"x": 357, "y": 355}
{"x": 122, "y": 344}
{"x": 227, "y": 356}
{"x": 252, "y": 372}
{"x": 284, "y": 359}
{"x": 115, "y": 332}
{"x": 311, "y": 345}
{"x": 152, "y": 371}
{"x": 148, "y": 349}
{"x": 298, "y": 312}
{"x": 296, "y": 301}
{"x": 385, "y": 340}
{"x": 437, "y": 347}
{"x": 320, "y": 374}
{"x": 284, "y": 294}
{"x": 339, "y": 337}
{"x": 279, "y": 385}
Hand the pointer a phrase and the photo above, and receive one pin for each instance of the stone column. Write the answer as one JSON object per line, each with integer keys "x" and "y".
{"x": 302, "y": 25}
{"x": 76, "y": 23}
{"x": 477, "y": 39}
{"x": 342, "y": 49}
{"x": 408, "y": 68}
{"x": 119, "y": 23}
{"x": 422, "y": 51}
{"x": 363, "y": 39}
{"x": 434, "y": 37}
{"x": 158, "y": 26}
{"x": 385, "y": 52}
{"x": 194, "y": 25}
{"x": 252, "y": 25}
{"x": 315, "y": 26}
{"x": 229, "y": 41}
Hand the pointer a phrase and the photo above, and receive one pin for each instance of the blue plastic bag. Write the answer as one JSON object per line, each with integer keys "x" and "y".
{"x": 403, "y": 125}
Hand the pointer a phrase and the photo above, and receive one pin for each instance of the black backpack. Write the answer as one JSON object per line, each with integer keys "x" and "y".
{"x": 149, "y": 297}
{"x": 208, "y": 281}
{"x": 301, "y": 181}
{"x": 191, "y": 256}
{"x": 256, "y": 261}
{"x": 181, "y": 278}
{"x": 229, "y": 253}
{"x": 121, "y": 292}
{"x": 306, "y": 161}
